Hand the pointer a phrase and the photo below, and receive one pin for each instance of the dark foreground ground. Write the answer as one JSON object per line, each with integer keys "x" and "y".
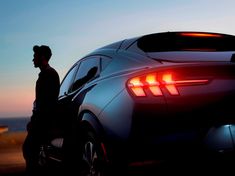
{"x": 12, "y": 162}
{"x": 11, "y": 158}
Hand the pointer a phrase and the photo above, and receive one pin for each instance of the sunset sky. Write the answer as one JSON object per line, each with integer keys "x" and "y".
{"x": 73, "y": 28}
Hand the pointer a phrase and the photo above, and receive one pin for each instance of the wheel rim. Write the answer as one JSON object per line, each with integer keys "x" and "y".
{"x": 91, "y": 160}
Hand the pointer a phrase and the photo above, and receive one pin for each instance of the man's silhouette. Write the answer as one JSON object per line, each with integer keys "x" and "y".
{"x": 44, "y": 108}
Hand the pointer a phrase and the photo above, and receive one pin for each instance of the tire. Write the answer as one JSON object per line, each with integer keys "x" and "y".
{"x": 94, "y": 161}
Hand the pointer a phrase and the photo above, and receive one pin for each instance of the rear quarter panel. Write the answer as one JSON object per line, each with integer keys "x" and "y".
{"x": 108, "y": 99}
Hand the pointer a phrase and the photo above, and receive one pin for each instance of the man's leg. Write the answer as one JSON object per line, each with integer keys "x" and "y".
{"x": 30, "y": 154}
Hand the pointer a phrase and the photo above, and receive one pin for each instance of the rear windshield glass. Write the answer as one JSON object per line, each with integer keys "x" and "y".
{"x": 186, "y": 41}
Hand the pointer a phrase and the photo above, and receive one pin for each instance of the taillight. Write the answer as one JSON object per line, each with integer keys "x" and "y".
{"x": 199, "y": 34}
{"x": 153, "y": 83}
{"x": 137, "y": 86}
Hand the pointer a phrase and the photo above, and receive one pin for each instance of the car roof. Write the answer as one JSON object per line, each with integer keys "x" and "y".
{"x": 168, "y": 41}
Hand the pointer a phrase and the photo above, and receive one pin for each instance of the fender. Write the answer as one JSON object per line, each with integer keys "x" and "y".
{"x": 89, "y": 120}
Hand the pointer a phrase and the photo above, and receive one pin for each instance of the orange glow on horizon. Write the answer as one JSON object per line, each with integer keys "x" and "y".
{"x": 16, "y": 102}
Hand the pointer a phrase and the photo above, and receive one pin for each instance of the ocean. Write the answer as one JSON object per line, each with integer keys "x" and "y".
{"x": 16, "y": 124}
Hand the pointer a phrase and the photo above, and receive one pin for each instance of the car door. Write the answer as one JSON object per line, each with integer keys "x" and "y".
{"x": 65, "y": 97}
{"x": 81, "y": 73}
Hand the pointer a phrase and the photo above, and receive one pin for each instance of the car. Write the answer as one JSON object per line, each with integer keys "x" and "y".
{"x": 157, "y": 96}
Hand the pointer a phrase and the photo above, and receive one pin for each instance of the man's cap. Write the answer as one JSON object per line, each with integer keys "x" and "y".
{"x": 43, "y": 50}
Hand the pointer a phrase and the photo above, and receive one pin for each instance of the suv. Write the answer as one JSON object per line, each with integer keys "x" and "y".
{"x": 158, "y": 96}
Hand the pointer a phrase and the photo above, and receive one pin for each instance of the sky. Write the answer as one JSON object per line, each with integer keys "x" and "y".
{"x": 73, "y": 28}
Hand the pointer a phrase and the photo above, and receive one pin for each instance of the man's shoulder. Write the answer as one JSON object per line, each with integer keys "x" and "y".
{"x": 51, "y": 71}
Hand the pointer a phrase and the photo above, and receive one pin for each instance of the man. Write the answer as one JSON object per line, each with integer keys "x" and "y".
{"x": 44, "y": 108}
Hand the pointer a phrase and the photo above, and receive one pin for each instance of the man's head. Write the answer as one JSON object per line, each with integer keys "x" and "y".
{"x": 42, "y": 55}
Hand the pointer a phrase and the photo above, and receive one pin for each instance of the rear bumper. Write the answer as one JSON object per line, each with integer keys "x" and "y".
{"x": 159, "y": 134}
{"x": 215, "y": 142}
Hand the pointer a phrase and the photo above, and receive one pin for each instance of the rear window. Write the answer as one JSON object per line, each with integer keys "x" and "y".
{"x": 186, "y": 41}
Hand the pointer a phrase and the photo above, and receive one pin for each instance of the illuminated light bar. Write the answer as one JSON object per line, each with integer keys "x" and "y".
{"x": 138, "y": 91}
{"x": 170, "y": 84}
{"x": 195, "y": 34}
{"x": 190, "y": 82}
{"x": 137, "y": 87}
{"x": 141, "y": 86}
{"x": 153, "y": 84}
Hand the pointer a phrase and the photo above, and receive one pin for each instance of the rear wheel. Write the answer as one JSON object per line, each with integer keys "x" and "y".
{"x": 94, "y": 161}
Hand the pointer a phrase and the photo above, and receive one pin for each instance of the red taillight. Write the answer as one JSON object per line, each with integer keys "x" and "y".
{"x": 199, "y": 34}
{"x": 154, "y": 83}
{"x": 170, "y": 84}
{"x": 137, "y": 87}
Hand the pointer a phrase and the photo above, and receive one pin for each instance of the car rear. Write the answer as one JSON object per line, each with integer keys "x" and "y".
{"x": 186, "y": 104}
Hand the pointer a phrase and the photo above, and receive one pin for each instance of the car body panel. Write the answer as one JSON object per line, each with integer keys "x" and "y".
{"x": 199, "y": 115}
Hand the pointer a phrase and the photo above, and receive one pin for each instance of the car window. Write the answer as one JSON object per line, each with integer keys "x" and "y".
{"x": 186, "y": 41}
{"x": 89, "y": 68}
{"x": 66, "y": 84}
